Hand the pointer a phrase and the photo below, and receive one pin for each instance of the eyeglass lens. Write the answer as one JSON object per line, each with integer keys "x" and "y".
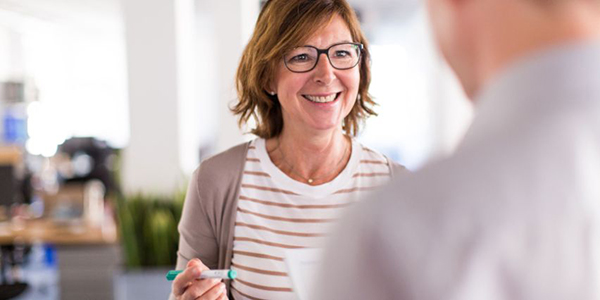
{"x": 341, "y": 56}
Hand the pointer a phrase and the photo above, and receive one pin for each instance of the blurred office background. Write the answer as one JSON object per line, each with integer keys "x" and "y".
{"x": 107, "y": 106}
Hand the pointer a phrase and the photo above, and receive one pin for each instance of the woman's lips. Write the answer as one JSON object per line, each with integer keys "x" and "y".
{"x": 322, "y": 99}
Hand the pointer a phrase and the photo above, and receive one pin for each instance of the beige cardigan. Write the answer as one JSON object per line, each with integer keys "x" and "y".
{"x": 209, "y": 212}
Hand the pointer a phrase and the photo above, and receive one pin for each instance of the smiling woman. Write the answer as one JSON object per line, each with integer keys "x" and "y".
{"x": 331, "y": 92}
{"x": 304, "y": 77}
{"x": 285, "y": 28}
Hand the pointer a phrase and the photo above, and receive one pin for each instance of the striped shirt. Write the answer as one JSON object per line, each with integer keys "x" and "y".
{"x": 276, "y": 213}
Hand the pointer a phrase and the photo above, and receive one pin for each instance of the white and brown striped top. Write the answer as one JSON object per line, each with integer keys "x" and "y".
{"x": 276, "y": 213}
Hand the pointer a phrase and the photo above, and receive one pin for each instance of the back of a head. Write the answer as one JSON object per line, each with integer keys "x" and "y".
{"x": 480, "y": 38}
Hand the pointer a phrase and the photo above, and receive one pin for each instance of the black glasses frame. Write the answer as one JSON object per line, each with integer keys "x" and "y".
{"x": 326, "y": 52}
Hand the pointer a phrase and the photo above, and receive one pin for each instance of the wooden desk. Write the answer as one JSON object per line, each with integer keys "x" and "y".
{"x": 87, "y": 256}
{"x": 58, "y": 233}
{"x": 10, "y": 155}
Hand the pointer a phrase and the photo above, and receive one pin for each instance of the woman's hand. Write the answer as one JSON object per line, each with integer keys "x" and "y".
{"x": 188, "y": 286}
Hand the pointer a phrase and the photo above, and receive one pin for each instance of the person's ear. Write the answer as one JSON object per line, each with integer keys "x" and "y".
{"x": 270, "y": 89}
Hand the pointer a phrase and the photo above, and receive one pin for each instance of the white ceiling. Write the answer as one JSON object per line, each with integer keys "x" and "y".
{"x": 104, "y": 15}
{"x": 95, "y": 15}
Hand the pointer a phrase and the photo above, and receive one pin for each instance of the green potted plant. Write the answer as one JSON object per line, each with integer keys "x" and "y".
{"x": 149, "y": 240}
{"x": 148, "y": 229}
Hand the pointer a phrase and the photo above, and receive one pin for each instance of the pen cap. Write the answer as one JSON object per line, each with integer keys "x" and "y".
{"x": 172, "y": 274}
{"x": 232, "y": 274}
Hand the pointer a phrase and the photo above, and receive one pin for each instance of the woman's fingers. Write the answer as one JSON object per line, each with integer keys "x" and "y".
{"x": 188, "y": 286}
{"x": 223, "y": 296}
{"x": 196, "y": 262}
{"x": 187, "y": 277}
{"x": 205, "y": 289}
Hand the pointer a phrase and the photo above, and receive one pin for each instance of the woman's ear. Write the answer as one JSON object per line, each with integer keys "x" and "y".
{"x": 270, "y": 89}
{"x": 270, "y": 92}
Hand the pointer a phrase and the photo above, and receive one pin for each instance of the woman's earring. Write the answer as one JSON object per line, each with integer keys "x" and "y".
{"x": 272, "y": 93}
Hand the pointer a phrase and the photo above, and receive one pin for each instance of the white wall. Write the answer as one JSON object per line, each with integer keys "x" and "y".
{"x": 423, "y": 113}
{"x": 77, "y": 68}
{"x": 234, "y": 21}
{"x": 151, "y": 159}
{"x": 182, "y": 58}
{"x": 8, "y": 63}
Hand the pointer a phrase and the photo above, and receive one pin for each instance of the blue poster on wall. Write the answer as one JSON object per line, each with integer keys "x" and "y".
{"x": 15, "y": 128}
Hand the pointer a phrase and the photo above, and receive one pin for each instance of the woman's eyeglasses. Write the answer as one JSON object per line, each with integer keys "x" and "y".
{"x": 341, "y": 56}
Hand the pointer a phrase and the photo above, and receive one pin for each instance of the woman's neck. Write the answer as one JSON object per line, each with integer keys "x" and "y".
{"x": 313, "y": 159}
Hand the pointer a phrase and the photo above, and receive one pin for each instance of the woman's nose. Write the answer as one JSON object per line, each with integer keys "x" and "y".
{"x": 324, "y": 71}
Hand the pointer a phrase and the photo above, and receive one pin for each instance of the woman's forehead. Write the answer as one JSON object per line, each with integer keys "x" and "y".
{"x": 330, "y": 32}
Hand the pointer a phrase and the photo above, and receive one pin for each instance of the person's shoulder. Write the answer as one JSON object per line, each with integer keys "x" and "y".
{"x": 372, "y": 155}
{"x": 220, "y": 166}
{"x": 236, "y": 152}
{"x": 460, "y": 180}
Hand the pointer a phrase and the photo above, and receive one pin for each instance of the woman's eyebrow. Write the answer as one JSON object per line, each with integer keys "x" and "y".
{"x": 338, "y": 42}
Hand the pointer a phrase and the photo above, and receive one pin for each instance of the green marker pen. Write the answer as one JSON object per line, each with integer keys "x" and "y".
{"x": 223, "y": 274}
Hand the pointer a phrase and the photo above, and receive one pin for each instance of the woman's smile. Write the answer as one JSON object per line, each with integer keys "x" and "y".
{"x": 322, "y": 98}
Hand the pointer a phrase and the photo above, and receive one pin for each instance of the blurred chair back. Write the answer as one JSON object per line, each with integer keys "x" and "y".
{"x": 9, "y": 158}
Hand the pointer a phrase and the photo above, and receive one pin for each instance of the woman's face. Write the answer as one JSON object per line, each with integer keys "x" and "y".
{"x": 321, "y": 98}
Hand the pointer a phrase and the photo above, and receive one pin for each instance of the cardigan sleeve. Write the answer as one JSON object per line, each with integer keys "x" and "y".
{"x": 196, "y": 233}
{"x": 206, "y": 225}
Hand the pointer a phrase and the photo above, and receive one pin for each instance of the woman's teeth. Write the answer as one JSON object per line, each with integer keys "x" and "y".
{"x": 321, "y": 99}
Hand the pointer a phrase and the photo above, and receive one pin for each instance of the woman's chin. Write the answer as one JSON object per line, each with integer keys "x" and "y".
{"x": 322, "y": 126}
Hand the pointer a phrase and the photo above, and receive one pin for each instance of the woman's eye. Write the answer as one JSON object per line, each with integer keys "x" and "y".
{"x": 342, "y": 53}
{"x": 299, "y": 58}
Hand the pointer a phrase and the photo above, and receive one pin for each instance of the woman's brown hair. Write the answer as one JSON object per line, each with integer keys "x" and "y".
{"x": 283, "y": 25}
